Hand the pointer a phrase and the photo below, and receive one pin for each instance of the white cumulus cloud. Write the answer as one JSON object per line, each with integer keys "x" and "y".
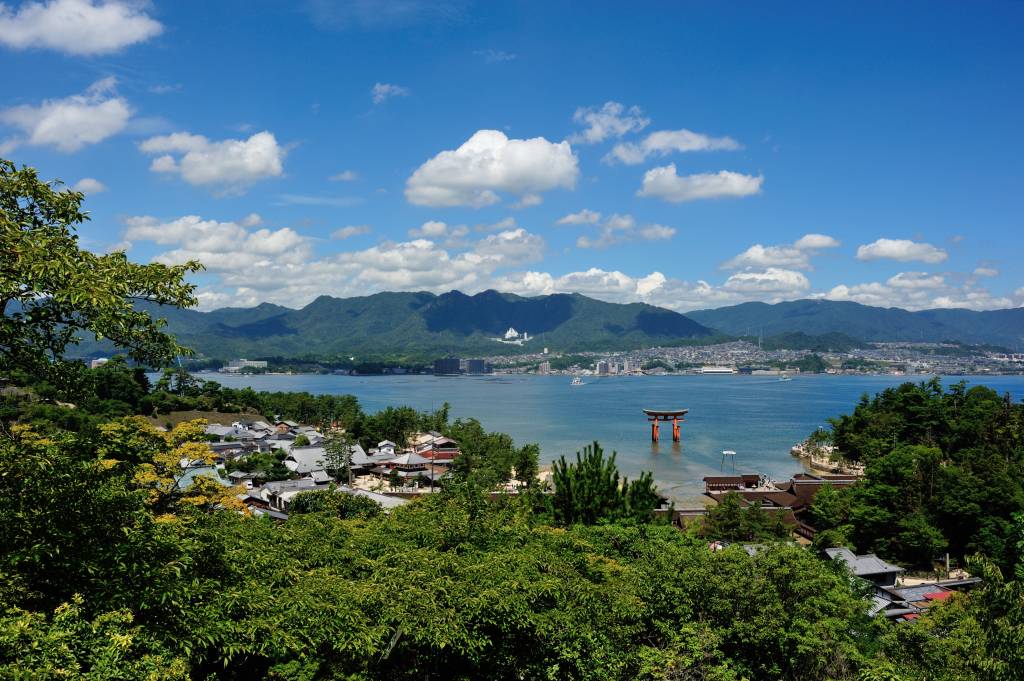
{"x": 920, "y": 291}
{"x": 233, "y": 245}
{"x": 774, "y": 280}
{"x": 230, "y": 165}
{"x": 916, "y": 280}
{"x": 583, "y": 217}
{"x": 381, "y": 92}
{"x": 487, "y": 163}
{"x": 349, "y": 231}
{"x": 89, "y": 185}
{"x": 344, "y": 176}
{"x": 622, "y": 228}
{"x": 664, "y": 142}
{"x": 511, "y": 247}
{"x": 816, "y": 241}
{"x": 73, "y": 122}
{"x": 903, "y": 250}
{"x": 793, "y": 256}
{"x": 664, "y": 183}
{"x": 528, "y": 201}
{"x": 79, "y": 27}
{"x": 610, "y": 120}
{"x": 435, "y": 229}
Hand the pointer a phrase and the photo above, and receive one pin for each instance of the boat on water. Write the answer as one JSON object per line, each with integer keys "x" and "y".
{"x": 576, "y": 381}
{"x": 784, "y": 377}
{"x": 717, "y": 370}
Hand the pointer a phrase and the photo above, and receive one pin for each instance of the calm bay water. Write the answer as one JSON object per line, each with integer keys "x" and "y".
{"x": 759, "y": 418}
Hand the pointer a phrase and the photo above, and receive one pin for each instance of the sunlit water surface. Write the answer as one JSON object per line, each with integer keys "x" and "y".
{"x": 759, "y": 418}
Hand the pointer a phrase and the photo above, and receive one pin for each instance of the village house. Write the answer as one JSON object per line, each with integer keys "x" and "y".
{"x": 869, "y": 567}
{"x": 791, "y": 498}
{"x": 894, "y": 599}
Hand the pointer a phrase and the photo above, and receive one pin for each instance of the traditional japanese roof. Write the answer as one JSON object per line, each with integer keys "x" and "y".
{"x": 361, "y": 458}
{"x": 408, "y": 459}
{"x": 780, "y": 499}
{"x": 388, "y": 502}
{"x": 319, "y": 477}
{"x": 865, "y": 565}
{"x": 306, "y": 459}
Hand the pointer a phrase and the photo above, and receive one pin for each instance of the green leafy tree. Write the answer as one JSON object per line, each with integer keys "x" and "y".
{"x": 338, "y": 451}
{"x": 590, "y": 490}
{"x": 488, "y": 459}
{"x": 343, "y": 506}
{"x": 944, "y": 472}
{"x": 730, "y": 520}
{"x": 70, "y": 645}
{"x": 51, "y": 289}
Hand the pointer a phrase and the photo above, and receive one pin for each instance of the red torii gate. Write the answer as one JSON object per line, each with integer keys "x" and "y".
{"x": 673, "y": 415}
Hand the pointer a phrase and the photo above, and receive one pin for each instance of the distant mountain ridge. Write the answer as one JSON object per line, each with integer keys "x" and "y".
{"x": 420, "y": 324}
{"x": 818, "y": 317}
{"x": 423, "y": 324}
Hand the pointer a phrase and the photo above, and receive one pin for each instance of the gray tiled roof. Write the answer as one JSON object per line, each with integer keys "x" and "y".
{"x": 868, "y": 564}
{"x": 306, "y": 459}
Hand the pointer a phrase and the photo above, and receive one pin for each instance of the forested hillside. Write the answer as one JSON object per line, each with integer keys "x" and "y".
{"x": 422, "y": 325}
{"x": 944, "y": 472}
{"x": 816, "y": 317}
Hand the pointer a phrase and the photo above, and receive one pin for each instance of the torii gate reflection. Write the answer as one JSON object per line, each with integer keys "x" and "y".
{"x": 673, "y": 415}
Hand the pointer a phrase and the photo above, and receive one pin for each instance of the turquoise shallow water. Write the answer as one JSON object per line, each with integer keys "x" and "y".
{"x": 758, "y": 417}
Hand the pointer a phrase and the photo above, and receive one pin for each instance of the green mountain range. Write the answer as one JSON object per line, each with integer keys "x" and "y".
{"x": 818, "y": 317}
{"x": 422, "y": 325}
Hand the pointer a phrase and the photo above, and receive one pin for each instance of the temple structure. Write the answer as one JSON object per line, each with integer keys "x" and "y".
{"x": 674, "y": 415}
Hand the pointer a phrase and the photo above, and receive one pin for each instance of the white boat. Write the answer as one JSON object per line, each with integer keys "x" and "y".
{"x": 784, "y": 377}
{"x": 576, "y": 381}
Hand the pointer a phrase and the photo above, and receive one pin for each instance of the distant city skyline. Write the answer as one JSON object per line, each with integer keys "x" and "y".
{"x": 688, "y": 155}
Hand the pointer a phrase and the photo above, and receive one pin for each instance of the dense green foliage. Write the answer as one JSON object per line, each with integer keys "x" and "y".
{"x": 98, "y": 581}
{"x": 657, "y": 363}
{"x": 972, "y": 637}
{"x": 808, "y": 364}
{"x": 729, "y": 520}
{"x": 110, "y": 569}
{"x": 589, "y": 491}
{"x": 51, "y": 290}
{"x": 344, "y": 506}
{"x": 454, "y": 586}
{"x": 414, "y": 327}
{"x": 490, "y": 458}
{"x": 944, "y": 472}
{"x": 98, "y": 576}
{"x": 267, "y": 466}
{"x": 798, "y": 340}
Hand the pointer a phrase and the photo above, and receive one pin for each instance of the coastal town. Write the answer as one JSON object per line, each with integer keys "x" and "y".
{"x": 302, "y": 459}
{"x": 390, "y": 475}
{"x": 742, "y": 357}
{"x": 747, "y": 357}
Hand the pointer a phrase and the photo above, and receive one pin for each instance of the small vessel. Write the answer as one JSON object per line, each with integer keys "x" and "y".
{"x": 784, "y": 377}
{"x": 576, "y": 381}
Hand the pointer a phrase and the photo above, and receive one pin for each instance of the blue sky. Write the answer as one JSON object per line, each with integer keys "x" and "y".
{"x": 690, "y": 155}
